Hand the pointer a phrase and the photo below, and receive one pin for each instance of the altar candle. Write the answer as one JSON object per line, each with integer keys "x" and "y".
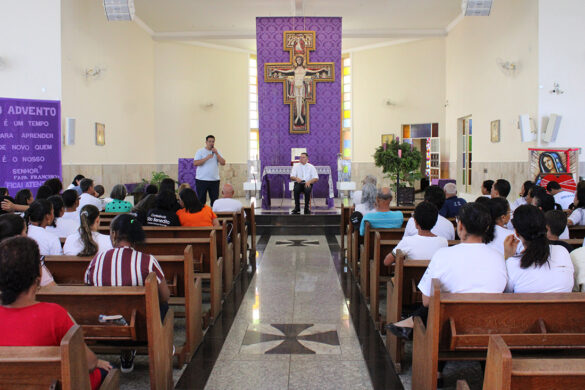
{"x": 399, "y": 153}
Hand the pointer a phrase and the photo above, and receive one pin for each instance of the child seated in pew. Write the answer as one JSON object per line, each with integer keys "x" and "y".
{"x": 423, "y": 245}
{"x": 524, "y": 195}
{"x": 443, "y": 227}
{"x": 540, "y": 267}
{"x": 86, "y": 241}
{"x": 23, "y": 320}
{"x": 577, "y": 217}
{"x": 193, "y": 212}
{"x": 556, "y": 223}
{"x": 546, "y": 202}
{"x": 38, "y": 216}
{"x": 486, "y": 188}
{"x": 125, "y": 266}
{"x": 61, "y": 227}
{"x": 12, "y": 225}
{"x": 469, "y": 267}
{"x": 500, "y": 213}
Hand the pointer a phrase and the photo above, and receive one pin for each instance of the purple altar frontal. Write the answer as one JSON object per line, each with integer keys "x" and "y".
{"x": 276, "y": 179}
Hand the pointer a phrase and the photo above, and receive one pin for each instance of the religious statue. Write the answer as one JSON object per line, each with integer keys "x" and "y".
{"x": 299, "y": 77}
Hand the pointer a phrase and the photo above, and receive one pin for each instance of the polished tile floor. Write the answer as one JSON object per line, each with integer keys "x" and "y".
{"x": 293, "y": 329}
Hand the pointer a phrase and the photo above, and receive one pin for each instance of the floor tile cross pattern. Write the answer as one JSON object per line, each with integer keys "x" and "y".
{"x": 291, "y": 337}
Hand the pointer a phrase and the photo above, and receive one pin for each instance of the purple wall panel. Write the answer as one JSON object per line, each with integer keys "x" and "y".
{"x": 322, "y": 142}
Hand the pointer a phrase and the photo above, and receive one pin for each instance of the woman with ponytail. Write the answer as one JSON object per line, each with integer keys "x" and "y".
{"x": 23, "y": 320}
{"x": 87, "y": 241}
{"x": 38, "y": 216}
{"x": 500, "y": 212}
{"x": 540, "y": 267}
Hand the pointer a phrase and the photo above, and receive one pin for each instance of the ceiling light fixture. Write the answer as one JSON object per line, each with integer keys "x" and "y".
{"x": 117, "y": 10}
{"x": 476, "y": 7}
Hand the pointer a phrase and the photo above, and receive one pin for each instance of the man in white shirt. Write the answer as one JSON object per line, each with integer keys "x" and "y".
{"x": 88, "y": 195}
{"x": 564, "y": 198}
{"x": 226, "y": 202}
{"x": 207, "y": 161}
{"x": 304, "y": 175}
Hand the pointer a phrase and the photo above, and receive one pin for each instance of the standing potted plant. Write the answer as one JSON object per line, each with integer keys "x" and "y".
{"x": 400, "y": 163}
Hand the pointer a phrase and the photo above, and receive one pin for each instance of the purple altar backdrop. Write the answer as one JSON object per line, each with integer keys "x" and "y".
{"x": 30, "y": 143}
{"x": 187, "y": 171}
{"x": 323, "y": 141}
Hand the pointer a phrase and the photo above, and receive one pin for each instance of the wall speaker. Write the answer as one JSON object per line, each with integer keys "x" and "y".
{"x": 476, "y": 7}
{"x": 69, "y": 131}
{"x": 552, "y": 129}
{"x": 525, "y": 126}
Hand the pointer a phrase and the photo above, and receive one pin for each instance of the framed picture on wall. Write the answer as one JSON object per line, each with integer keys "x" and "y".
{"x": 495, "y": 131}
{"x": 387, "y": 138}
{"x": 100, "y": 134}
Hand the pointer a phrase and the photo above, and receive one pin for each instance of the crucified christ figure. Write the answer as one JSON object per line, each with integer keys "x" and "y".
{"x": 299, "y": 93}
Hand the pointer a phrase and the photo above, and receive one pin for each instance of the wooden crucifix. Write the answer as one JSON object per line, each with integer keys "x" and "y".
{"x": 299, "y": 77}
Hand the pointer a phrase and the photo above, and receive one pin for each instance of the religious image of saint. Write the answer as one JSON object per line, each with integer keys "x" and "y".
{"x": 550, "y": 162}
{"x": 298, "y": 82}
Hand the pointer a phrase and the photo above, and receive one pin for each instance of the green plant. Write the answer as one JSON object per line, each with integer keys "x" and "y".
{"x": 408, "y": 166}
{"x": 156, "y": 179}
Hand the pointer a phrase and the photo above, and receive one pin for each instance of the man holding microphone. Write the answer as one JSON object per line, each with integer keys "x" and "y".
{"x": 207, "y": 160}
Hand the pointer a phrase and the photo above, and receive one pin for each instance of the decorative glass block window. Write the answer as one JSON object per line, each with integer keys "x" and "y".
{"x": 254, "y": 137}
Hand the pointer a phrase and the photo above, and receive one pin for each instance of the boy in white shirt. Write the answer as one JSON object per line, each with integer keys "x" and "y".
{"x": 564, "y": 198}
{"x": 423, "y": 245}
{"x": 443, "y": 227}
{"x": 88, "y": 195}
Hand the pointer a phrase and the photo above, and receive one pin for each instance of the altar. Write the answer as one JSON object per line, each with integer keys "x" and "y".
{"x": 275, "y": 181}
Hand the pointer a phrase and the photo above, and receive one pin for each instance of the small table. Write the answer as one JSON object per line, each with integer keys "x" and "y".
{"x": 344, "y": 188}
{"x": 282, "y": 174}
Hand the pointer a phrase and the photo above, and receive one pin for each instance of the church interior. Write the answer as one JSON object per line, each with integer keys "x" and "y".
{"x": 330, "y": 105}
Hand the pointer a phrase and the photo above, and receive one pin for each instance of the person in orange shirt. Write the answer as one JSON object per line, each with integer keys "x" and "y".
{"x": 193, "y": 212}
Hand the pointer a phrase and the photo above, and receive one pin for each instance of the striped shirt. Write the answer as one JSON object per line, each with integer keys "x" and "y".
{"x": 122, "y": 267}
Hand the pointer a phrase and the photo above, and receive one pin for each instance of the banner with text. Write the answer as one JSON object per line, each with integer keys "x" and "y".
{"x": 30, "y": 143}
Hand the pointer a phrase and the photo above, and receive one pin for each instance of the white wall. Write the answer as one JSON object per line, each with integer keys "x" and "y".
{"x": 411, "y": 75}
{"x": 121, "y": 97}
{"x": 477, "y": 86}
{"x": 187, "y": 78}
{"x": 30, "y": 49}
{"x": 562, "y": 60}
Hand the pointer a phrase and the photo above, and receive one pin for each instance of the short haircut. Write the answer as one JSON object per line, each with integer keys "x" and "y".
{"x": 118, "y": 192}
{"x": 450, "y": 188}
{"x": 435, "y": 195}
{"x": 19, "y": 267}
{"x": 69, "y": 197}
{"x": 85, "y": 184}
{"x": 305, "y": 153}
{"x": 484, "y": 200}
{"x": 383, "y": 195}
{"x": 556, "y": 220}
{"x": 553, "y": 185}
{"x": 426, "y": 215}
{"x": 99, "y": 189}
{"x": 23, "y": 196}
{"x": 527, "y": 185}
{"x": 487, "y": 184}
{"x": 546, "y": 201}
{"x": 503, "y": 187}
{"x": 476, "y": 219}
{"x": 10, "y": 225}
{"x": 208, "y": 137}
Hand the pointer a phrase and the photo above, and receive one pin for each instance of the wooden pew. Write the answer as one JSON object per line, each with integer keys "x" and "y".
{"x": 207, "y": 265}
{"x": 459, "y": 325}
{"x": 577, "y": 231}
{"x": 353, "y": 239}
{"x": 179, "y": 271}
{"x": 234, "y": 222}
{"x": 251, "y": 232}
{"x": 63, "y": 367}
{"x": 140, "y": 308}
{"x": 503, "y": 372}
{"x": 344, "y": 226}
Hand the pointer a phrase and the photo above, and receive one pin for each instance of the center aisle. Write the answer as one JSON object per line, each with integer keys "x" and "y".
{"x": 293, "y": 329}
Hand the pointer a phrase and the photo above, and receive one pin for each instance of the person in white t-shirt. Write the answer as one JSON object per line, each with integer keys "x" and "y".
{"x": 443, "y": 227}
{"x": 227, "y": 201}
{"x": 357, "y": 195}
{"x": 423, "y": 245}
{"x": 87, "y": 241}
{"x": 304, "y": 175}
{"x": 546, "y": 202}
{"x": 540, "y": 267}
{"x": 501, "y": 213}
{"x": 368, "y": 199}
{"x": 486, "y": 188}
{"x": 88, "y": 195}
{"x": 12, "y": 225}
{"x": 71, "y": 202}
{"x": 577, "y": 217}
{"x": 470, "y": 267}
{"x": 524, "y": 195}
{"x": 39, "y": 215}
{"x": 60, "y": 227}
{"x": 564, "y": 198}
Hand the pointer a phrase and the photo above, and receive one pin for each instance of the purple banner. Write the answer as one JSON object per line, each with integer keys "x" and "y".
{"x": 30, "y": 143}
{"x": 323, "y": 141}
